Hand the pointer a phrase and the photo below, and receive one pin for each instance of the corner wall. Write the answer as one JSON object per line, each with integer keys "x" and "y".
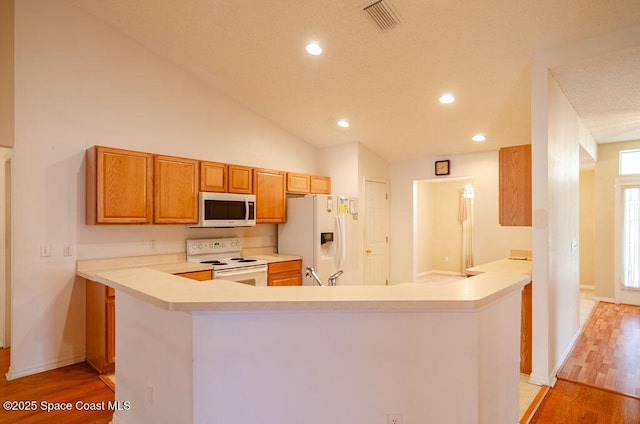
{"x": 80, "y": 83}
{"x": 557, "y": 134}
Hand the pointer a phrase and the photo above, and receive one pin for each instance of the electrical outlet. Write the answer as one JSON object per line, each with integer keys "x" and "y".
{"x": 153, "y": 245}
{"x": 394, "y": 418}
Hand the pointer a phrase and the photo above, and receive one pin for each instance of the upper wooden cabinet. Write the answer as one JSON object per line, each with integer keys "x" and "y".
{"x": 240, "y": 179}
{"x": 271, "y": 200}
{"x": 304, "y": 184}
{"x": 119, "y": 186}
{"x": 320, "y": 185}
{"x": 515, "y": 185}
{"x": 213, "y": 176}
{"x": 176, "y": 189}
{"x": 298, "y": 183}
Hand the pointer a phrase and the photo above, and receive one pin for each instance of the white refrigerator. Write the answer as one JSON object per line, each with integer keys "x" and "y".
{"x": 323, "y": 230}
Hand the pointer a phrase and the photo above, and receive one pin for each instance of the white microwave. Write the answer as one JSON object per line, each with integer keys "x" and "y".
{"x": 226, "y": 210}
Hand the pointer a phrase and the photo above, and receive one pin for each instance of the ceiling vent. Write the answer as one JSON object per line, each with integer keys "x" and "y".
{"x": 383, "y": 14}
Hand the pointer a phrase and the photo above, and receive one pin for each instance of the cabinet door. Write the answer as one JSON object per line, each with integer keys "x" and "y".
{"x": 240, "y": 179}
{"x": 111, "y": 330}
{"x": 196, "y": 275}
{"x": 271, "y": 201}
{"x": 320, "y": 185}
{"x": 515, "y": 185}
{"x": 119, "y": 186}
{"x": 176, "y": 190}
{"x": 287, "y": 273}
{"x": 213, "y": 176}
{"x": 298, "y": 183}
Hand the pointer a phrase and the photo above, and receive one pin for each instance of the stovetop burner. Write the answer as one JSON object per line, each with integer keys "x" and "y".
{"x": 213, "y": 262}
{"x": 221, "y": 253}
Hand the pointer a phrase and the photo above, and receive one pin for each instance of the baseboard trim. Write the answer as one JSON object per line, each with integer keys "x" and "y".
{"x": 587, "y": 287}
{"x": 12, "y": 374}
{"x": 604, "y": 299}
{"x": 531, "y": 410}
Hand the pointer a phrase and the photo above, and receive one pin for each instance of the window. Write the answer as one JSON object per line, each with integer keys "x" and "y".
{"x": 629, "y": 162}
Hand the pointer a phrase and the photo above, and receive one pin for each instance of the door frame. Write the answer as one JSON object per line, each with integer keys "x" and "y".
{"x": 622, "y": 295}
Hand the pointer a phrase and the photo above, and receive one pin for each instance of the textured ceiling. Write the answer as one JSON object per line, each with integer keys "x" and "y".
{"x": 605, "y": 92}
{"x": 386, "y": 83}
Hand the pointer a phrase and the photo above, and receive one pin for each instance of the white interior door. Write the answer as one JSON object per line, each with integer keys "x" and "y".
{"x": 628, "y": 240}
{"x": 376, "y": 233}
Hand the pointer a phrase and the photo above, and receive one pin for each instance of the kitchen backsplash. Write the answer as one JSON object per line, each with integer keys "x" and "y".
{"x": 157, "y": 240}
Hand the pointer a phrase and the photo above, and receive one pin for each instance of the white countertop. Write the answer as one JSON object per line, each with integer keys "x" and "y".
{"x": 172, "y": 263}
{"x": 175, "y": 293}
{"x": 517, "y": 266}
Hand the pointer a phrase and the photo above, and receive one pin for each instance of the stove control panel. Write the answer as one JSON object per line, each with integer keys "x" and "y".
{"x": 206, "y": 246}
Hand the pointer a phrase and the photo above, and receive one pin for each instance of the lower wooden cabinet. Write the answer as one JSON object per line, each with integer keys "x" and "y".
{"x": 287, "y": 273}
{"x": 526, "y": 330}
{"x": 100, "y": 326}
{"x": 196, "y": 275}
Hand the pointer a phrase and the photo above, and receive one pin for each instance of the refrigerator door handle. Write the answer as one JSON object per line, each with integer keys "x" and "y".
{"x": 340, "y": 248}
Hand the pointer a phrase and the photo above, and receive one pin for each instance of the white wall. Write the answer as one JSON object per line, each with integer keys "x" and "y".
{"x": 606, "y": 171}
{"x": 79, "y": 83}
{"x": 6, "y": 73}
{"x": 492, "y": 241}
{"x": 438, "y": 229}
{"x": 587, "y": 227}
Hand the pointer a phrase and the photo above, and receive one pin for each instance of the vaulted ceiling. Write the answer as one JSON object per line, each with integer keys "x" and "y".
{"x": 387, "y": 82}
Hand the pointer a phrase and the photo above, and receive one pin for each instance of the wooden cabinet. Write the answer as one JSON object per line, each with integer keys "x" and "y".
{"x": 271, "y": 201}
{"x": 213, "y": 176}
{"x": 196, "y": 275}
{"x": 175, "y": 190}
{"x": 240, "y": 179}
{"x": 526, "y": 330}
{"x": 320, "y": 185}
{"x": 287, "y": 273}
{"x": 304, "y": 184}
{"x": 515, "y": 185}
{"x": 119, "y": 186}
{"x": 100, "y": 326}
{"x": 298, "y": 183}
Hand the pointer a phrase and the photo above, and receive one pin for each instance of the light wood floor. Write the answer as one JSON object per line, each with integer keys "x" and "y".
{"x": 74, "y": 383}
{"x": 606, "y": 355}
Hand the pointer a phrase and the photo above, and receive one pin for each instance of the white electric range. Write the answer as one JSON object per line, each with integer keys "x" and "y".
{"x": 224, "y": 254}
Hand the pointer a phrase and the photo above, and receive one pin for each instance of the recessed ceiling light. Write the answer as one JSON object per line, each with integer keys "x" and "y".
{"x": 479, "y": 138}
{"x": 343, "y": 123}
{"x": 314, "y": 49}
{"x": 447, "y": 98}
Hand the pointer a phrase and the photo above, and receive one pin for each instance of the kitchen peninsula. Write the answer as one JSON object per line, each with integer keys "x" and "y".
{"x": 219, "y": 351}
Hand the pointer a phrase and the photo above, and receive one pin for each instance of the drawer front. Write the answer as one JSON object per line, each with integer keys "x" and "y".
{"x": 292, "y": 278}
{"x": 285, "y": 266}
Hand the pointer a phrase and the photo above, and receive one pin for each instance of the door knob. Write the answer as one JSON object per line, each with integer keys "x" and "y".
{"x": 369, "y": 250}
